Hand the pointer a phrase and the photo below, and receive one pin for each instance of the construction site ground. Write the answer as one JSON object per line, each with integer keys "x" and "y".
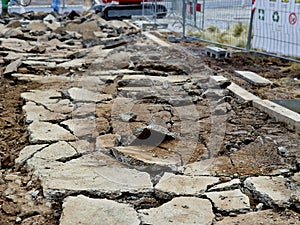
{"x": 101, "y": 125}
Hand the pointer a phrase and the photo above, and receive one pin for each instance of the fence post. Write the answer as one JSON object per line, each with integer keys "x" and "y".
{"x": 248, "y": 46}
{"x": 183, "y": 17}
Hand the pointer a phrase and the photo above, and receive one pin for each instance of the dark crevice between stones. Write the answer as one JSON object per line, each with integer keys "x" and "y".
{"x": 31, "y": 156}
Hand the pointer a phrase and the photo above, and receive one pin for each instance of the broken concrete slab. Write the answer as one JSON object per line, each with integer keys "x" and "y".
{"x": 60, "y": 151}
{"x": 233, "y": 184}
{"x": 83, "y": 146}
{"x": 253, "y": 78}
{"x": 85, "y": 95}
{"x": 142, "y": 158}
{"x": 180, "y": 210}
{"x": 88, "y": 211}
{"x": 171, "y": 184}
{"x": 272, "y": 191}
{"x": 106, "y": 141}
{"x": 81, "y": 127}
{"x": 44, "y": 132}
{"x": 13, "y": 67}
{"x": 94, "y": 173}
{"x": 34, "y": 63}
{"x": 141, "y": 81}
{"x": 84, "y": 110}
{"x": 71, "y": 64}
{"x": 35, "y": 113}
{"x": 230, "y": 201}
{"x": 42, "y": 97}
{"x": 27, "y": 152}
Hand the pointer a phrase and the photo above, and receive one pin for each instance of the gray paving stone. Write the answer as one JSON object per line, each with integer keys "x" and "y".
{"x": 81, "y": 127}
{"x": 35, "y": 113}
{"x": 84, "y": 110}
{"x": 34, "y": 63}
{"x": 75, "y": 63}
{"x": 63, "y": 106}
{"x": 94, "y": 173}
{"x": 227, "y": 185}
{"x": 58, "y": 151}
{"x": 27, "y": 152}
{"x": 230, "y": 201}
{"x": 179, "y": 211}
{"x": 88, "y": 211}
{"x": 83, "y": 146}
{"x": 84, "y": 95}
{"x": 141, "y": 156}
{"x": 184, "y": 185}
{"x": 44, "y": 132}
{"x": 106, "y": 141}
{"x": 253, "y": 78}
{"x": 43, "y": 97}
{"x": 269, "y": 190}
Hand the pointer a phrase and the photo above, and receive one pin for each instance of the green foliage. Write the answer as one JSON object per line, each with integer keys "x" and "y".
{"x": 235, "y": 35}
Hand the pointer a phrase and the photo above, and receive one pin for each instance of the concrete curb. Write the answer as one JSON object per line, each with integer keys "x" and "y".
{"x": 156, "y": 40}
{"x": 280, "y": 113}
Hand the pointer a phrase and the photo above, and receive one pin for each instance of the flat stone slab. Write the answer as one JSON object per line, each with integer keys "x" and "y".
{"x": 88, "y": 211}
{"x": 269, "y": 190}
{"x": 179, "y": 211}
{"x": 85, "y": 95}
{"x": 94, "y": 173}
{"x": 35, "y": 113}
{"x": 184, "y": 185}
{"x": 42, "y": 97}
{"x": 59, "y": 151}
{"x": 226, "y": 185}
{"x": 252, "y": 78}
{"x": 258, "y": 218}
{"x": 230, "y": 201}
{"x": 27, "y": 152}
{"x": 81, "y": 127}
{"x": 138, "y": 155}
{"x": 44, "y": 132}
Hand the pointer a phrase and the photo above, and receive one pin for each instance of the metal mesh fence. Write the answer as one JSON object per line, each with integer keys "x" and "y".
{"x": 226, "y": 22}
{"x": 222, "y": 21}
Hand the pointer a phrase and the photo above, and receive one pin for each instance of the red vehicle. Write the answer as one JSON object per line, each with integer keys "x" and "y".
{"x": 125, "y": 9}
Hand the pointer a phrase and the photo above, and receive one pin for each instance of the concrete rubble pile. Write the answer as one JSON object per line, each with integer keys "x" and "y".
{"x": 124, "y": 131}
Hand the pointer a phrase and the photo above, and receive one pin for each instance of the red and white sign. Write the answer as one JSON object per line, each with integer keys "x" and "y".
{"x": 293, "y": 18}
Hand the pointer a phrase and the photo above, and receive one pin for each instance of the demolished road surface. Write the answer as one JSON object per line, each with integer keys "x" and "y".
{"x": 122, "y": 130}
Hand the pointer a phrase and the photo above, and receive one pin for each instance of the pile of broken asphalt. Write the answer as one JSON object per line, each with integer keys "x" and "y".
{"x": 124, "y": 131}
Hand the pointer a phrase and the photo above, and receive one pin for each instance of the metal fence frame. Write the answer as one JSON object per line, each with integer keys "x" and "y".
{"x": 184, "y": 14}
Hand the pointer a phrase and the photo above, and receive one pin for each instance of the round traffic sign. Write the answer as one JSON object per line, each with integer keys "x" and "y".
{"x": 293, "y": 18}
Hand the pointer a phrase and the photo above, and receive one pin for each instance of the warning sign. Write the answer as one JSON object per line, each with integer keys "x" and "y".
{"x": 293, "y": 18}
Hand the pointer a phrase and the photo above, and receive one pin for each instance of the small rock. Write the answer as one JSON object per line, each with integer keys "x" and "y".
{"x": 259, "y": 206}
